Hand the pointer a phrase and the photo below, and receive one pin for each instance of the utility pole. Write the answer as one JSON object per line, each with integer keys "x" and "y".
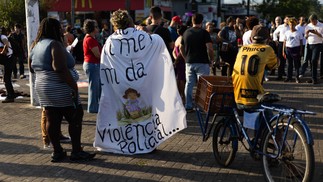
{"x": 219, "y": 13}
{"x": 194, "y": 6}
{"x": 248, "y": 8}
{"x": 128, "y": 5}
{"x": 32, "y": 24}
{"x": 72, "y": 12}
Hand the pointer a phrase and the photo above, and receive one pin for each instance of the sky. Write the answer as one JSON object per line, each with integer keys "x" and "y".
{"x": 251, "y": 1}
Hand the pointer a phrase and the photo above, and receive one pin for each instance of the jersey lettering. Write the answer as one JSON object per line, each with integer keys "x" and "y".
{"x": 253, "y": 63}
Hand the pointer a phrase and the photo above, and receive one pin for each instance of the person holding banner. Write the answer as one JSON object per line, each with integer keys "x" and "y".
{"x": 140, "y": 106}
{"x": 57, "y": 89}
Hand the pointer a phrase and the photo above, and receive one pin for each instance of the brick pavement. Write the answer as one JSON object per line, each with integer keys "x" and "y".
{"x": 184, "y": 157}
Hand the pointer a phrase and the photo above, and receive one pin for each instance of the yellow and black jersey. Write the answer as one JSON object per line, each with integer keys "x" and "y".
{"x": 249, "y": 70}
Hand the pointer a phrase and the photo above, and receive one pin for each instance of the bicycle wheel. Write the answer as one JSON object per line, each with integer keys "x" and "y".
{"x": 295, "y": 163}
{"x": 224, "y": 144}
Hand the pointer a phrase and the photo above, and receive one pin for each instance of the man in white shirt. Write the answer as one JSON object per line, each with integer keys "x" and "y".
{"x": 313, "y": 35}
{"x": 301, "y": 28}
{"x": 280, "y": 32}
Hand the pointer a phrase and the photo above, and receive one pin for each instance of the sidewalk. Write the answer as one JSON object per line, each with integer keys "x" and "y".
{"x": 184, "y": 157}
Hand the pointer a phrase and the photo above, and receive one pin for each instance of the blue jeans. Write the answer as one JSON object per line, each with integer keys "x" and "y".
{"x": 193, "y": 71}
{"x": 92, "y": 72}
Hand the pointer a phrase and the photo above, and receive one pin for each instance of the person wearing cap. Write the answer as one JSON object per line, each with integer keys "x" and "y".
{"x": 249, "y": 68}
{"x": 174, "y": 24}
{"x": 313, "y": 35}
{"x": 293, "y": 50}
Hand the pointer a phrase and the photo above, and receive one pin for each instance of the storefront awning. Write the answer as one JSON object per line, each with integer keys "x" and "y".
{"x": 97, "y": 5}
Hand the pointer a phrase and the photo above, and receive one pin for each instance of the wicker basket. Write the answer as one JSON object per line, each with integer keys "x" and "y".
{"x": 222, "y": 101}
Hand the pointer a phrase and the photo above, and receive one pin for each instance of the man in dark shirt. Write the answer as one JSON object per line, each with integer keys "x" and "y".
{"x": 19, "y": 53}
{"x": 196, "y": 48}
{"x": 156, "y": 27}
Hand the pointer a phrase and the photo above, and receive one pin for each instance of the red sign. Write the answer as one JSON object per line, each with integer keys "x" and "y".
{"x": 97, "y": 5}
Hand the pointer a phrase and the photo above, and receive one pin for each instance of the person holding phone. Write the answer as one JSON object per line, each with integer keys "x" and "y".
{"x": 313, "y": 35}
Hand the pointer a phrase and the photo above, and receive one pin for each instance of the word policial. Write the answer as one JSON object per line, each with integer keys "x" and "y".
{"x": 135, "y": 137}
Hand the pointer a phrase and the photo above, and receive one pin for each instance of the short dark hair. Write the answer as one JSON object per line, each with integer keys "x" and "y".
{"x": 68, "y": 28}
{"x": 89, "y": 26}
{"x": 17, "y": 25}
{"x": 181, "y": 29}
{"x": 197, "y": 18}
{"x": 313, "y": 17}
{"x": 155, "y": 12}
{"x": 251, "y": 22}
{"x": 229, "y": 19}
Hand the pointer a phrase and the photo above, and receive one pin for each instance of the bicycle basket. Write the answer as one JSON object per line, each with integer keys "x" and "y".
{"x": 222, "y": 90}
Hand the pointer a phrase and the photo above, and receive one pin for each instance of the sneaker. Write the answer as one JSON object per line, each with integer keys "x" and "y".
{"x": 47, "y": 146}
{"x": 65, "y": 139}
{"x": 57, "y": 157}
{"x": 266, "y": 79}
{"x": 82, "y": 156}
{"x": 301, "y": 76}
{"x": 298, "y": 80}
{"x": 22, "y": 76}
{"x": 8, "y": 100}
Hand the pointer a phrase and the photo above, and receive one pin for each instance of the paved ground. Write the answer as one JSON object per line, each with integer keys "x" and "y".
{"x": 184, "y": 157}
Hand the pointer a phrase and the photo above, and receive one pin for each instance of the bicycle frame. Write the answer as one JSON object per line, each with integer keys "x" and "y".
{"x": 290, "y": 113}
{"x": 204, "y": 123}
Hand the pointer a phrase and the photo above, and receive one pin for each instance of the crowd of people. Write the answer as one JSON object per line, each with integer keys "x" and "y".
{"x": 196, "y": 48}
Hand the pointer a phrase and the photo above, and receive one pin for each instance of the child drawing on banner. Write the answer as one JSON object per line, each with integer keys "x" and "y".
{"x": 132, "y": 104}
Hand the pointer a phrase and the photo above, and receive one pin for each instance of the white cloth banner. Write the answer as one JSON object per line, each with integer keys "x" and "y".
{"x": 140, "y": 106}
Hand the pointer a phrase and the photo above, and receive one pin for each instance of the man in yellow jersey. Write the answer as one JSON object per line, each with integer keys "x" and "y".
{"x": 249, "y": 68}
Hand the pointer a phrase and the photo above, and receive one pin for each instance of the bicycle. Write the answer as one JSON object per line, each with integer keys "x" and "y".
{"x": 283, "y": 142}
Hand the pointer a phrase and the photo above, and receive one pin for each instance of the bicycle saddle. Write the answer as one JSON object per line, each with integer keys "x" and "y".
{"x": 268, "y": 97}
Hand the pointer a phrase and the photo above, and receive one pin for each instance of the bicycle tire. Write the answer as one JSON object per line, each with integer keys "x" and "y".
{"x": 224, "y": 144}
{"x": 296, "y": 163}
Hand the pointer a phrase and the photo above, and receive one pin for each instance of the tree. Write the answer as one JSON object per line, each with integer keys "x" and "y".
{"x": 13, "y": 11}
{"x": 273, "y": 8}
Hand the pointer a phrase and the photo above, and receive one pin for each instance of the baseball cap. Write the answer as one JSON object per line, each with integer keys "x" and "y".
{"x": 259, "y": 32}
{"x": 177, "y": 19}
